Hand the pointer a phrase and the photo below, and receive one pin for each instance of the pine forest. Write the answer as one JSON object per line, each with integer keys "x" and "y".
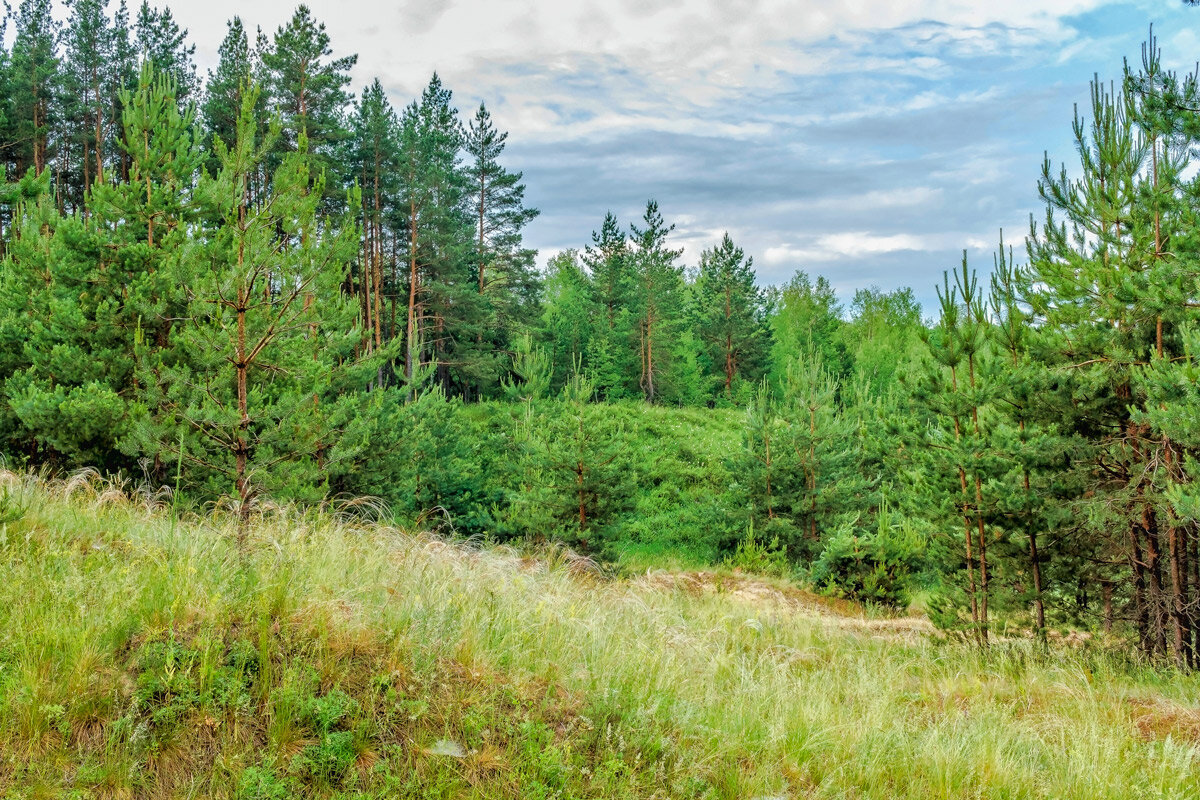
{"x": 283, "y": 318}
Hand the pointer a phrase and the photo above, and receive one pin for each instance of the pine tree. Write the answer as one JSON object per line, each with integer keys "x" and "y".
{"x": 657, "y": 300}
{"x": 827, "y": 488}
{"x": 611, "y": 356}
{"x": 566, "y": 323}
{"x": 376, "y": 162}
{"x": 88, "y": 58}
{"x": 264, "y": 398}
{"x": 950, "y": 389}
{"x": 759, "y": 466}
{"x": 581, "y": 467}
{"x": 59, "y": 405}
{"x": 223, "y": 92}
{"x": 504, "y": 267}
{"x": 444, "y": 307}
{"x": 1167, "y": 289}
{"x": 122, "y": 73}
{"x": 101, "y": 291}
{"x": 730, "y": 314}
{"x": 35, "y": 84}
{"x": 7, "y": 133}
{"x": 163, "y": 44}
{"x": 307, "y": 89}
{"x": 1103, "y": 296}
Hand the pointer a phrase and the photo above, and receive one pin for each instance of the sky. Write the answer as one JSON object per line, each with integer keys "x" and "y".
{"x": 868, "y": 141}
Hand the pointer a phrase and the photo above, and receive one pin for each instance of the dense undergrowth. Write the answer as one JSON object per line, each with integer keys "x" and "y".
{"x": 142, "y": 656}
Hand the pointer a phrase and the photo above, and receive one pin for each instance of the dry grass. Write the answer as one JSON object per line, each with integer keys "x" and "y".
{"x": 555, "y": 680}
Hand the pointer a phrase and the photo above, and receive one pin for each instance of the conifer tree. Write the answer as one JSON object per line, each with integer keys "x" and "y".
{"x": 105, "y": 288}
{"x": 259, "y": 401}
{"x": 163, "y": 44}
{"x": 444, "y": 306}
{"x": 611, "y": 356}
{"x": 122, "y": 74}
{"x": 88, "y": 59}
{"x": 429, "y": 463}
{"x": 7, "y": 133}
{"x": 498, "y": 206}
{"x": 1097, "y": 280}
{"x": 826, "y": 488}
{"x": 34, "y": 84}
{"x": 768, "y": 474}
{"x": 307, "y": 88}
{"x": 376, "y": 159}
{"x": 581, "y": 467}
{"x": 59, "y": 405}
{"x": 222, "y": 102}
{"x": 503, "y": 266}
{"x": 657, "y": 301}
{"x": 949, "y": 389}
{"x": 1167, "y": 289}
{"x": 730, "y": 314}
{"x": 566, "y": 323}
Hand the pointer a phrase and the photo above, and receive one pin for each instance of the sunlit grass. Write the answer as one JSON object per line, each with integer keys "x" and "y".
{"x": 141, "y": 656}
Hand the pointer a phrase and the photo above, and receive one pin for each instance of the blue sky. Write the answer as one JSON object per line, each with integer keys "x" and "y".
{"x": 864, "y": 140}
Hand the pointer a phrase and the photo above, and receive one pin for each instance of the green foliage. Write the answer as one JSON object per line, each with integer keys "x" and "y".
{"x": 805, "y": 322}
{"x": 338, "y": 300}
{"x": 532, "y": 371}
{"x": 730, "y": 316}
{"x": 262, "y": 783}
{"x": 429, "y": 469}
{"x": 254, "y": 396}
{"x": 224, "y": 90}
{"x": 760, "y": 557}
{"x": 578, "y": 467}
{"x": 877, "y": 566}
{"x": 306, "y": 88}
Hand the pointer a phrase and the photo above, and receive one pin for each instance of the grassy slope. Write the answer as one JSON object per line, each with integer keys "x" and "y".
{"x": 139, "y": 657}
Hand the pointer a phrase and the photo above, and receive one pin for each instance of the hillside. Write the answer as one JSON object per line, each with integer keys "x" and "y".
{"x": 140, "y": 656}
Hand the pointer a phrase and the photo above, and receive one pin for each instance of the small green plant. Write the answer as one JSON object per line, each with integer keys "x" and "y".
{"x": 327, "y": 761}
{"x": 874, "y": 566}
{"x": 262, "y": 783}
{"x": 325, "y": 713}
{"x": 761, "y": 557}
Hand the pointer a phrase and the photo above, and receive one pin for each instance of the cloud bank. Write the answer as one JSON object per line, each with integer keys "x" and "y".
{"x": 865, "y": 140}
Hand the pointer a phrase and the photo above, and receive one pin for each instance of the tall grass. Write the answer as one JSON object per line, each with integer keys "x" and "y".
{"x": 141, "y": 656}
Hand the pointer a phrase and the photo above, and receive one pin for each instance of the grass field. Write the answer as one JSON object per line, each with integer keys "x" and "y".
{"x": 142, "y": 656}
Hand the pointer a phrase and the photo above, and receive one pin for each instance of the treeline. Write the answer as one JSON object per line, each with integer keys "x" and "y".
{"x": 441, "y": 266}
{"x": 257, "y": 287}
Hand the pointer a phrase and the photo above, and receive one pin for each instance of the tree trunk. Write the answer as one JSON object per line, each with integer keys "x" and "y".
{"x": 983, "y": 570}
{"x": 1154, "y": 567}
{"x": 1039, "y": 609}
{"x": 969, "y": 535}
{"x": 411, "y": 330}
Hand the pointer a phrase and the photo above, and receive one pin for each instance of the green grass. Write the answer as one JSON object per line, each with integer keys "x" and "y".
{"x": 140, "y": 656}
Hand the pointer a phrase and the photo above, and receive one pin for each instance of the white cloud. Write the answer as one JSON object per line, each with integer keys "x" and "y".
{"x": 693, "y": 51}
{"x": 857, "y": 136}
{"x": 860, "y": 245}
